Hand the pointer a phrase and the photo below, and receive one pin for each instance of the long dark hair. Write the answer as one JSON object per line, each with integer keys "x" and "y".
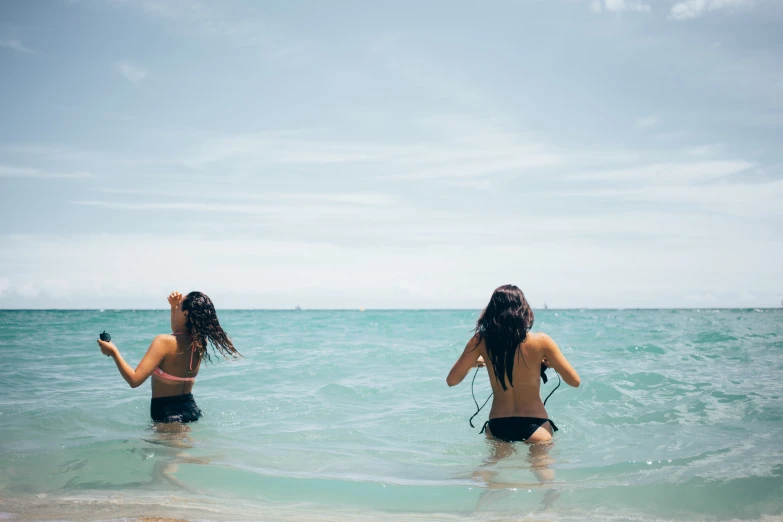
{"x": 503, "y": 326}
{"x": 203, "y": 326}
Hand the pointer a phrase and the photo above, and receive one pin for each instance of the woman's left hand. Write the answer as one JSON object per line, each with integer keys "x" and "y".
{"x": 480, "y": 362}
{"x": 107, "y": 348}
{"x": 174, "y": 299}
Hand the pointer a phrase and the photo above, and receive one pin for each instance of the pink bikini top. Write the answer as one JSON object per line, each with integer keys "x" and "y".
{"x": 163, "y": 375}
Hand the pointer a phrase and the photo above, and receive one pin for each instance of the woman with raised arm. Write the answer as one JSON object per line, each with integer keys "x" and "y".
{"x": 173, "y": 359}
{"x": 513, "y": 356}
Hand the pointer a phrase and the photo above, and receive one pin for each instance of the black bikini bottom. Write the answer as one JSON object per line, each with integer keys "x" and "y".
{"x": 177, "y": 408}
{"x": 515, "y": 429}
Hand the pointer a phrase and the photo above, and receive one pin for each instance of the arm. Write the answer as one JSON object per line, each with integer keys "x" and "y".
{"x": 175, "y": 298}
{"x": 554, "y": 358}
{"x": 470, "y": 358}
{"x": 151, "y": 360}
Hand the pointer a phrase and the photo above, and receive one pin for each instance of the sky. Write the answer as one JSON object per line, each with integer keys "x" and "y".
{"x": 406, "y": 154}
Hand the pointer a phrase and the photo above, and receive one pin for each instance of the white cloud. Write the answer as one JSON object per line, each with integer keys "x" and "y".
{"x": 277, "y": 211}
{"x": 264, "y": 273}
{"x": 7, "y": 171}
{"x": 759, "y": 201}
{"x": 702, "y": 151}
{"x": 178, "y": 10}
{"x": 133, "y": 73}
{"x": 357, "y": 198}
{"x": 672, "y": 173}
{"x": 617, "y": 6}
{"x": 34, "y": 288}
{"x": 484, "y": 152}
{"x": 647, "y": 122}
{"x": 690, "y": 9}
{"x": 595, "y": 6}
{"x": 28, "y": 290}
{"x": 212, "y": 20}
{"x": 16, "y": 45}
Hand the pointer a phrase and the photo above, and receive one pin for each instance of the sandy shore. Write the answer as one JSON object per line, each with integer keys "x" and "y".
{"x": 153, "y": 508}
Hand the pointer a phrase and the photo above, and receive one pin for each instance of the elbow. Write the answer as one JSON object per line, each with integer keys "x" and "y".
{"x": 134, "y": 384}
{"x": 576, "y": 382}
{"x": 451, "y": 381}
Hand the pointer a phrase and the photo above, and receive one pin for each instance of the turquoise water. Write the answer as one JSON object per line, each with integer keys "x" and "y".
{"x": 347, "y": 415}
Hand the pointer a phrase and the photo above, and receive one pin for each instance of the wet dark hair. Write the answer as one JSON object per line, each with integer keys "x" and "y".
{"x": 503, "y": 326}
{"x": 203, "y": 326}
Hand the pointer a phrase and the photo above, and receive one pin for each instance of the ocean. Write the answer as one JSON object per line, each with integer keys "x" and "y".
{"x": 346, "y": 415}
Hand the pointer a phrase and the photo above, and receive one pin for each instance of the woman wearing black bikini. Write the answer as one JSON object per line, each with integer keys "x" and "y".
{"x": 513, "y": 357}
{"x": 173, "y": 359}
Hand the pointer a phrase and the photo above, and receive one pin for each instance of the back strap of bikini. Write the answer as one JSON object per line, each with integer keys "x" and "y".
{"x": 484, "y": 427}
{"x": 192, "y": 349}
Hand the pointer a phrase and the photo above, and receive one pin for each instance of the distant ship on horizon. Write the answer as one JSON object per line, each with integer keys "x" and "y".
{"x": 546, "y": 307}
{"x": 298, "y": 308}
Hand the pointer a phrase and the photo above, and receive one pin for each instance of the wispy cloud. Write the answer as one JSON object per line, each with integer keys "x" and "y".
{"x": 213, "y": 20}
{"x": 237, "y": 201}
{"x": 7, "y": 171}
{"x": 647, "y": 122}
{"x": 704, "y": 150}
{"x": 669, "y": 173}
{"x": 286, "y": 206}
{"x": 618, "y": 6}
{"x": 455, "y": 156}
{"x": 690, "y": 9}
{"x": 132, "y": 72}
{"x": 16, "y": 45}
{"x": 733, "y": 199}
{"x": 162, "y": 9}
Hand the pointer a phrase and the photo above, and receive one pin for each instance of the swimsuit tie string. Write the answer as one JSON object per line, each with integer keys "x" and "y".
{"x": 479, "y": 408}
{"x": 559, "y": 382}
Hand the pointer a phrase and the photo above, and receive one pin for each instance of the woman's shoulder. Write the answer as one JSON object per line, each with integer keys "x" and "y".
{"x": 165, "y": 340}
{"x": 538, "y": 338}
{"x": 476, "y": 343}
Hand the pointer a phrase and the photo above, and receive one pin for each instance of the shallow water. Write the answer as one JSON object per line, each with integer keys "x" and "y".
{"x": 347, "y": 414}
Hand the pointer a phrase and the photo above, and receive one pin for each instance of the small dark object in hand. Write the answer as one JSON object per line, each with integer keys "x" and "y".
{"x": 105, "y": 337}
{"x": 544, "y": 368}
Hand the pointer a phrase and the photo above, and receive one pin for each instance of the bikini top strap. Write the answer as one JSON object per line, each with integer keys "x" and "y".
{"x": 192, "y": 350}
{"x": 484, "y": 427}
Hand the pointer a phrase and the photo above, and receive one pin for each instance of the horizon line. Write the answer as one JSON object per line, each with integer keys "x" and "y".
{"x": 391, "y": 309}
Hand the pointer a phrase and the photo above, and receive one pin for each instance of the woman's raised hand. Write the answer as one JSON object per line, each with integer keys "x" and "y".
{"x": 175, "y": 298}
{"x": 107, "y": 348}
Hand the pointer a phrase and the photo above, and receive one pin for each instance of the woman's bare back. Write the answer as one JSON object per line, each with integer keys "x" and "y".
{"x": 176, "y": 362}
{"x": 522, "y": 398}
